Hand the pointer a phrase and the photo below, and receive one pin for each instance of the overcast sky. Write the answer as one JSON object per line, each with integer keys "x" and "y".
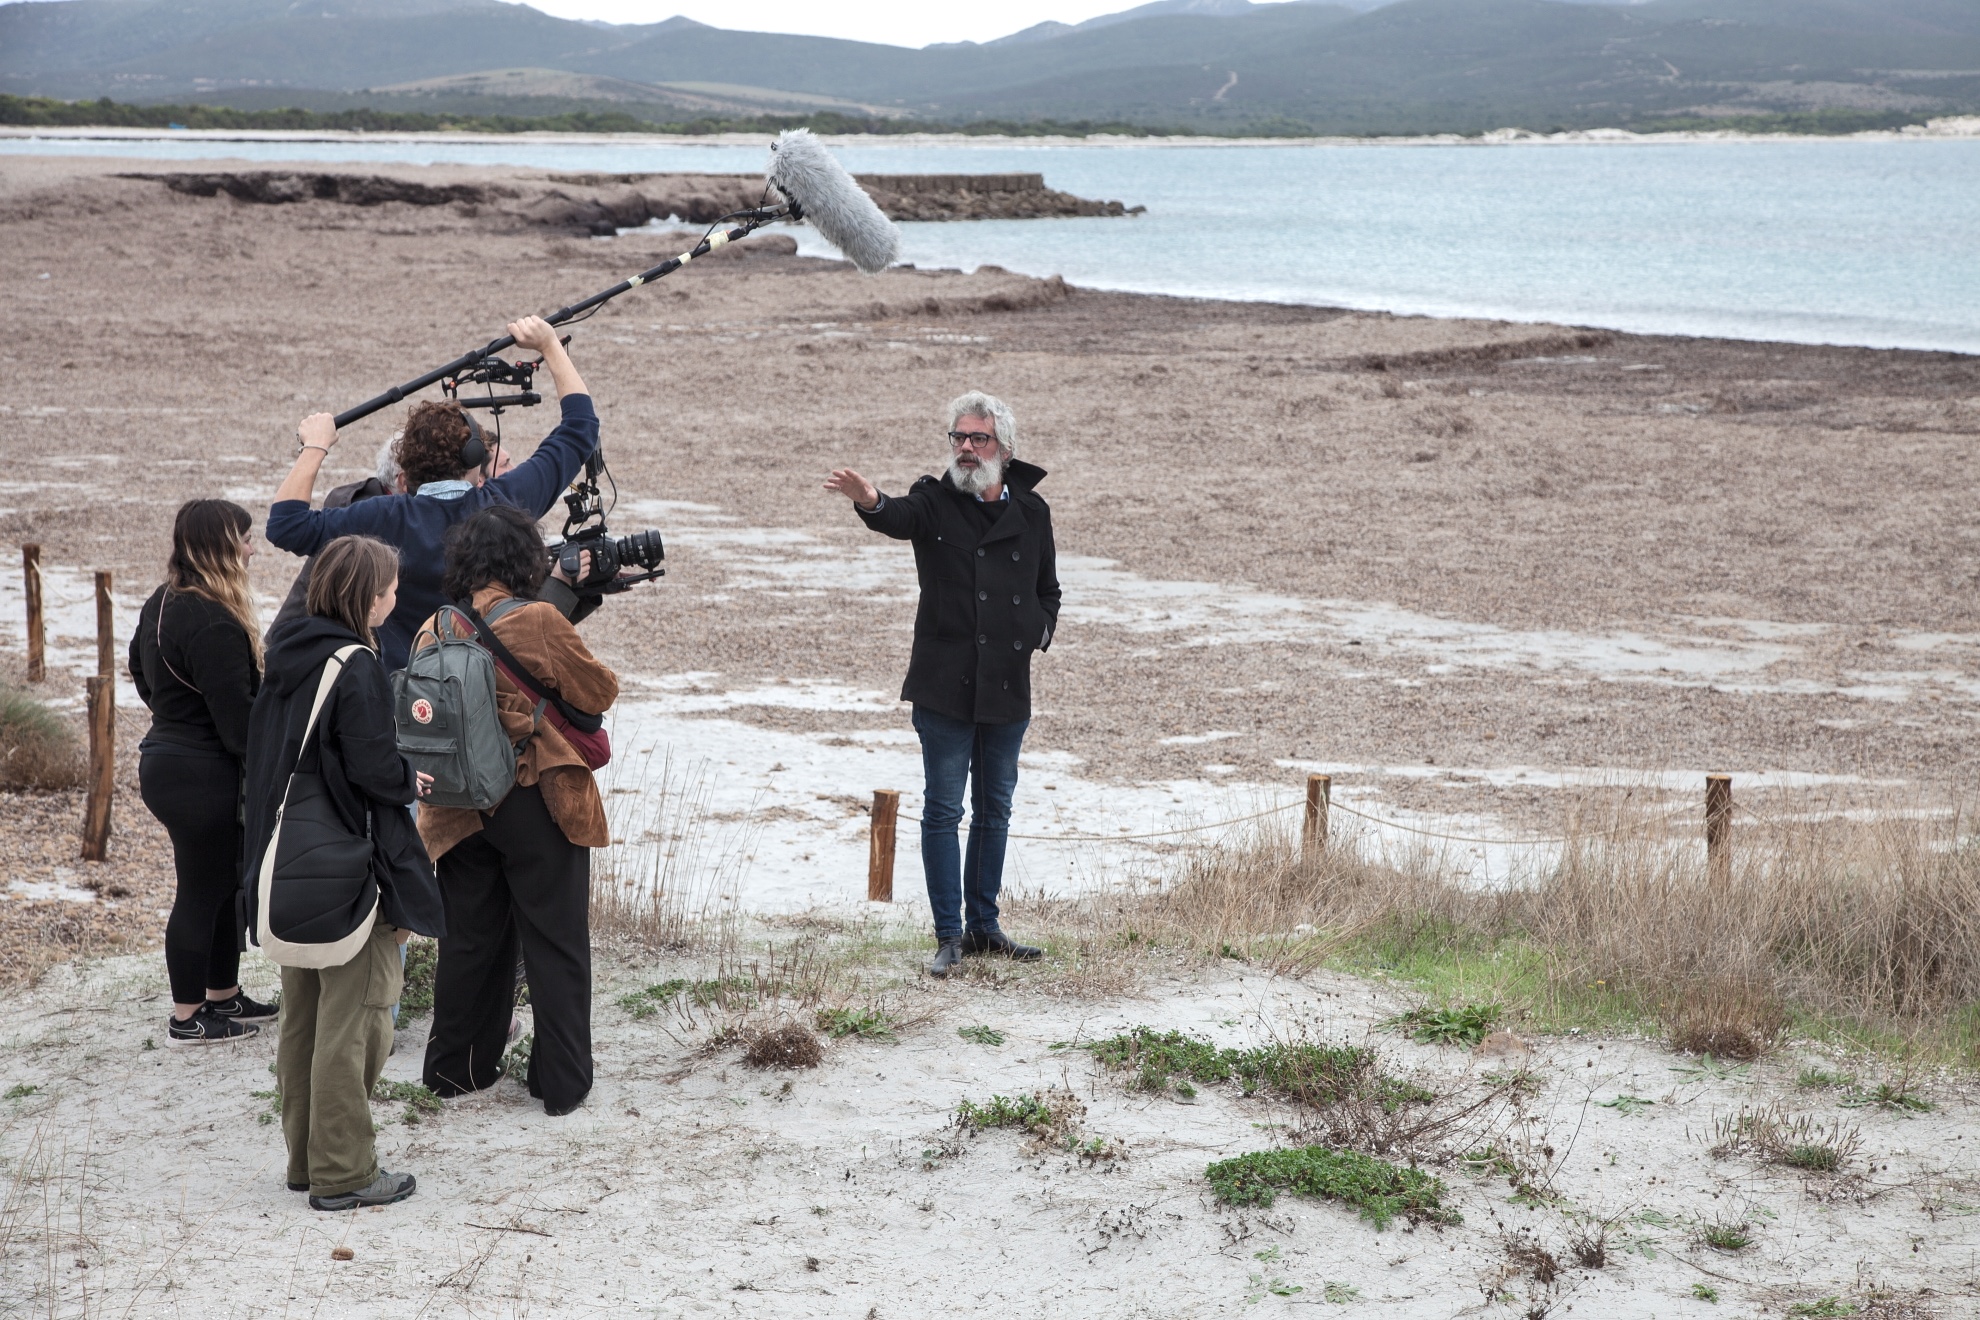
{"x": 896, "y": 22}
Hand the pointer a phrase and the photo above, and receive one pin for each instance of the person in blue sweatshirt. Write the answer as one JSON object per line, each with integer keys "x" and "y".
{"x": 449, "y": 472}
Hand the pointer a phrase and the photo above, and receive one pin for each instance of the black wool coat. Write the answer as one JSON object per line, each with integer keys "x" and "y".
{"x": 989, "y": 597}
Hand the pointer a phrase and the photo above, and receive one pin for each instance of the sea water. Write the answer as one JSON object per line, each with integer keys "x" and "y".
{"x": 1843, "y": 241}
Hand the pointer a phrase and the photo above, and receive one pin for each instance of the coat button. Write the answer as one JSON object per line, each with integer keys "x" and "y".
{"x": 983, "y": 595}
{"x": 982, "y": 640}
{"x": 1007, "y": 685}
{"x": 980, "y": 552}
{"x": 1014, "y": 555}
{"x": 1017, "y": 600}
{"x": 1017, "y": 646}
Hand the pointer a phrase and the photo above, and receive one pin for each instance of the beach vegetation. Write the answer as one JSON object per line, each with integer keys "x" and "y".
{"x": 38, "y": 747}
{"x": 1380, "y": 1190}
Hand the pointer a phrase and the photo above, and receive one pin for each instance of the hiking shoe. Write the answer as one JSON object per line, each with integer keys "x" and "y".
{"x": 242, "y": 1009}
{"x": 384, "y": 1190}
{"x": 948, "y": 957}
{"x": 994, "y": 941}
{"x": 298, "y": 1187}
{"x": 206, "y": 1028}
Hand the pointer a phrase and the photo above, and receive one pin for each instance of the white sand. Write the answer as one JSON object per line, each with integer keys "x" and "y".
{"x": 141, "y": 1184}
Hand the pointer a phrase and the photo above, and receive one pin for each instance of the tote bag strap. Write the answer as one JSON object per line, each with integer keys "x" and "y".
{"x": 323, "y": 686}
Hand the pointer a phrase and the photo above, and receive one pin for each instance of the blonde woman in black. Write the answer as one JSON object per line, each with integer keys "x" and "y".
{"x": 196, "y": 662}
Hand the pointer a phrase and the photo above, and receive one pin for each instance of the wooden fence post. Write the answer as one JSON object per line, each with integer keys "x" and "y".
{"x": 880, "y": 846}
{"x": 1718, "y": 828}
{"x": 36, "y": 645}
{"x": 1319, "y": 791}
{"x": 102, "y": 767}
{"x": 106, "y": 628}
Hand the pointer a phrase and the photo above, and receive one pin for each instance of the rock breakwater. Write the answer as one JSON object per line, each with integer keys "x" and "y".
{"x": 604, "y": 203}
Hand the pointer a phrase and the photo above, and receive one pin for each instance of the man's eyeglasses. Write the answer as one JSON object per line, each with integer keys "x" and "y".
{"x": 974, "y": 439}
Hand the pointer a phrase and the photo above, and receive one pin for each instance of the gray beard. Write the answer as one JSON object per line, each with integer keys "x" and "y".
{"x": 974, "y": 481}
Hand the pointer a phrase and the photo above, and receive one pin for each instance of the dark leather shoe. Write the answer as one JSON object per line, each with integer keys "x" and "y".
{"x": 948, "y": 957}
{"x": 1000, "y": 944}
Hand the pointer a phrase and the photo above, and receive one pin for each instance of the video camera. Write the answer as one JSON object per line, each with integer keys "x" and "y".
{"x": 584, "y": 523}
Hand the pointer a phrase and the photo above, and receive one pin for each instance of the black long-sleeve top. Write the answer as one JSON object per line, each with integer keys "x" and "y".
{"x": 194, "y": 667}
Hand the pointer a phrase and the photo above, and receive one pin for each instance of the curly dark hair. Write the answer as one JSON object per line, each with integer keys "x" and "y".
{"x": 430, "y": 447}
{"x": 498, "y": 544}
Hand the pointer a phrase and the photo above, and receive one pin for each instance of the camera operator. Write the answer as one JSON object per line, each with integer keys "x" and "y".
{"x": 450, "y": 469}
{"x": 984, "y": 555}
{"x": 520, "y": 874}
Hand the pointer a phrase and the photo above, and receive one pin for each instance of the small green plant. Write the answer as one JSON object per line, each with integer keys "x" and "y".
{"x": 1727, "y": 1235}
{"x": 1711, "y": 1069}
{"x": 981, "y": 1035}
{"x": 1886, "y": 1096}
{"x": 1487, "y": 1161}
{"x": 1378, "y": 1189}
{"x": 1825, "y": 1308}
{"x": 1259, "y": 1286}
{"x": 645, "y": 1003}
{"x": 150, "y": 1044}
{"x": 274, "y": 1110}
{"x": 419, "y": 1100}
{"x": 1523, "y": 1082}
{"x": 1821, "y": 1079}
{"x": 516, "y": 1062}
{"x": 866, "y": 1023}
{"x": 1627, "y": 1104}
{"x": 1704, "y": 1292}
{"x": 20, "y": 1091}
{"x": 1464, "y": 1024}
{"x": 1027, "y": 1113}
{"x": 1232, "y": 952}
{"x": 422, "y": 965}
{"x": 1317, "y": 1075}
{"x": 1812, "y": 1159}
{"x": 1184, "y": 1091}
{"x": 1340, "y": 1294}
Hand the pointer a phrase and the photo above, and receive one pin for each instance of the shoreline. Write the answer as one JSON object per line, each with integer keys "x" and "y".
{"x": 1953, "y": 129}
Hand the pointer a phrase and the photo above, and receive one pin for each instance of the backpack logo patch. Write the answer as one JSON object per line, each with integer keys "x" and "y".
{"x": 422, "y": 710}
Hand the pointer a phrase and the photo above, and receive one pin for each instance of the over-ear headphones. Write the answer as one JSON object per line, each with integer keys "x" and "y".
{"x": 474, "y": 453}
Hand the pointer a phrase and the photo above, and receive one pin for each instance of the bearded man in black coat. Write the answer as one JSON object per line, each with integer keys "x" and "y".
{"x": 989, "y": 599}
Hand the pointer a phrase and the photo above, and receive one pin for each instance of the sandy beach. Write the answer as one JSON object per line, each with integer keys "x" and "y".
{"x": 1472, "y": 569}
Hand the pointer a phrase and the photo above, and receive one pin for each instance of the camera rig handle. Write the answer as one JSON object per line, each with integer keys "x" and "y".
{"x": 751, "y": 222}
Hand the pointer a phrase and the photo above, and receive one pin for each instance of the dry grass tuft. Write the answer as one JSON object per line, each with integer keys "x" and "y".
{"x": 38, "y": 748}
{"x": 1875, "y": 924}
{"x": 1726, "y": 1019}
{"x": 668, "y": 882}
{"x": 787, "y": 1045}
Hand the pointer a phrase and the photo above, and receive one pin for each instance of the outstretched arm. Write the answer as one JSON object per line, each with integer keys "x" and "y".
{"x": 898, "y": 516}
{"x": 317, "y": 436}
{"x": 854, "y": 487}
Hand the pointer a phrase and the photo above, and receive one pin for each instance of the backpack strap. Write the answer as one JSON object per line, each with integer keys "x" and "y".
{"x": 582, "y": 721}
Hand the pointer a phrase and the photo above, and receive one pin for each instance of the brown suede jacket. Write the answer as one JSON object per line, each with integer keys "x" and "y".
{"x": 550, "y": 648}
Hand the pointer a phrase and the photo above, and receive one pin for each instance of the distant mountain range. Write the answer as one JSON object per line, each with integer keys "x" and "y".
{"x": 1359, "y": 66}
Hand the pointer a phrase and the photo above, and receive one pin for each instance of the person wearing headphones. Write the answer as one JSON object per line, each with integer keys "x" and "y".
{"x": 450, "y": 472}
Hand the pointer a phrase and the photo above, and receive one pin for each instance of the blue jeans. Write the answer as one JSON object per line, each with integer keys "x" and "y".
{"x": 986, "y": 755}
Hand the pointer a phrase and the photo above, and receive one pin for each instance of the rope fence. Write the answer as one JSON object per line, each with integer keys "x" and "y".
{"x": 1319, "y": 804}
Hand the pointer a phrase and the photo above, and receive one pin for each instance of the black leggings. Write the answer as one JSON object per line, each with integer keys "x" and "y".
{"x": 196, "y": 797}
{"x": 518, "y": 882}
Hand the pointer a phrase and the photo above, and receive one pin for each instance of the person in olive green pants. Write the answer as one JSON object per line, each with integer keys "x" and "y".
{"x": 336, "y": 1032}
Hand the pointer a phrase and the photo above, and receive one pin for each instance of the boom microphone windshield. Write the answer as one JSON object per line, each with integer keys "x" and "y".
{"x": 802, "y": 170}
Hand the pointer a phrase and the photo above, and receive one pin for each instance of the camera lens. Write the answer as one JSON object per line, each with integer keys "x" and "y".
{"x": 642, "y": 548}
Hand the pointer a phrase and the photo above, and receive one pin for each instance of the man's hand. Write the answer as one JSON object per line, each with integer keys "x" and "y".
{"x": 584, "y": 570}
{"x": 854, "y": 487}
{"x": 536, "y": 334}
{"x": 317, "y": 429}
{"x": 539, "y": 336}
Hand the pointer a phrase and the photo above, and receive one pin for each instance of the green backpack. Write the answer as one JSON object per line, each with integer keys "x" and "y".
{"x": 443, "y": 703}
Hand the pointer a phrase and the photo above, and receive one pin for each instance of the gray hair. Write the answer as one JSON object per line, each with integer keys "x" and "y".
{"x": 388, "y": 469}
{"x": 993, "y": 410}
